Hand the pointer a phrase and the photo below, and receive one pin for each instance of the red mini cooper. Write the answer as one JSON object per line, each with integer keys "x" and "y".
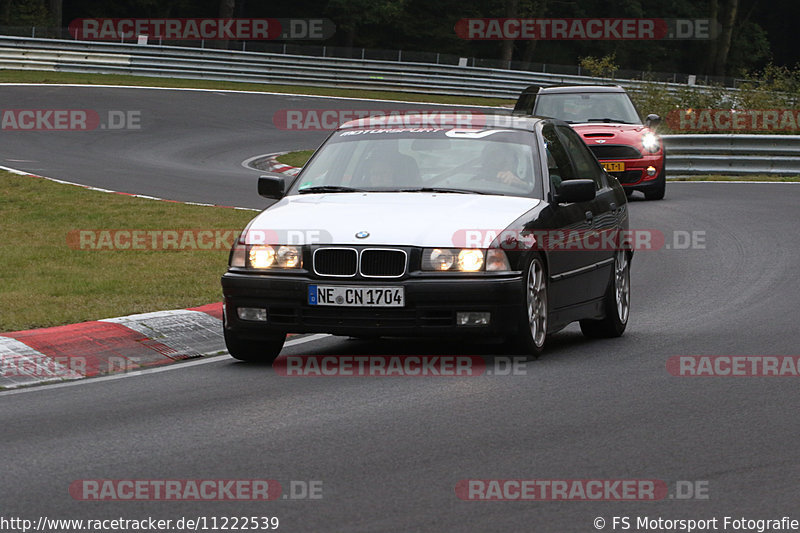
{"x": 608, "y": 122}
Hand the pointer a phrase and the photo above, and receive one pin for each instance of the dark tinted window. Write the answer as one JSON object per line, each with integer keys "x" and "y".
{"x": 586, "y": 165}
{"x": 525, "y": 103}
{"x": 558, "y": 161}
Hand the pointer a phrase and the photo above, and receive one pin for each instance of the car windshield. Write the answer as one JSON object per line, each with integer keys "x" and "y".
{"x": 601, "y": 107}
{"x": 420, "y": 160}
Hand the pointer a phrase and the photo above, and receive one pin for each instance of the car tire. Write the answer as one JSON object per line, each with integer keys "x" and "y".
{"x": 617, "y": 302}
{"x": 659, "y": 189}
{"x": 532, "y": 330}
{"x": 264, "y": 350}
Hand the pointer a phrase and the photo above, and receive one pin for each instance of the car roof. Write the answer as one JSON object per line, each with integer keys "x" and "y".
{"x": 450, "y": 120}
{"x": 582, "y": 89}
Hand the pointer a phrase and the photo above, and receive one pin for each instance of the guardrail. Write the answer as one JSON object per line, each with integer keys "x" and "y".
{"x": 231, "y": 65}
{"x": 732, "y": 154}
{"x": 324, "y": 49}
{"x": 686, "y": 154}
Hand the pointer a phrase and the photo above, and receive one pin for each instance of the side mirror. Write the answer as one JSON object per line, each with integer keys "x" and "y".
{"x": 572, "y": 191}
{"x": 652, "y": 120}
{"x": 272, "y": 186}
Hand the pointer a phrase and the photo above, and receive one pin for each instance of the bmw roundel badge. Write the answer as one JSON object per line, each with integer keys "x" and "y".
{"x": 362, "y": 235}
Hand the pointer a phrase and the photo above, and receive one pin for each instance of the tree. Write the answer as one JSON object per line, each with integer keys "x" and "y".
{"x": 507, "y": 46}
{"x": 226, "y": 10}
{"x": 350, "y": 15}
{"x": 724, "y": 13}
{"x": 55, "y": 12}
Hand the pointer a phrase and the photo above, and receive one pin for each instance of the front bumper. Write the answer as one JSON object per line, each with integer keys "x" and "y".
{"x": 430, "y": 306}
{"x": 635, "y": 174}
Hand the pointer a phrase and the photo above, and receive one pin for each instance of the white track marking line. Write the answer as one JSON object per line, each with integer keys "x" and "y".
{"x": 131, "y": 195}
{"x": 174, "y": 366}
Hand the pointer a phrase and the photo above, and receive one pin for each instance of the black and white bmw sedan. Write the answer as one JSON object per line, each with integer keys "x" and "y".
{"x": 499, "y": 226}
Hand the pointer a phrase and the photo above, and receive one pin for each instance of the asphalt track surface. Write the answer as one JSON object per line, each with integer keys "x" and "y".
{"x": 186, "y": 145}
{"x": 390, "y": 451}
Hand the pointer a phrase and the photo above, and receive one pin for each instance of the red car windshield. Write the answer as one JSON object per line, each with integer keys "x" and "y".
{"x": 601, "y": 107}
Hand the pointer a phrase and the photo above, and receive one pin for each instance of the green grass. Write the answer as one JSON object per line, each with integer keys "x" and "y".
{"x": 295, "y": 159}
{"x": 717, "y": 177}
{"x": 35, "y": 76}
{"x": 46, "y": 282}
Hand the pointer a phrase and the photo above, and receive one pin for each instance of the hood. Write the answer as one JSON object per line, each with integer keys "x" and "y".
{"x": 399, "y": 219}
{"x": 610, "y": 133}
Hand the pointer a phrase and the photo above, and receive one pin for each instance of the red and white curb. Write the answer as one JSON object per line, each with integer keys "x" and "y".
{"x": 109, "y": 346}
{"x": 270, "y": 163}
{"x": 289, "y": 170}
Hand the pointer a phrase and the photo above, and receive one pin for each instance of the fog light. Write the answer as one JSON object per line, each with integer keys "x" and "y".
{"x": 255, "y": 314}
{"x": 473, "y": 319}
{"x": 651, "y": 171}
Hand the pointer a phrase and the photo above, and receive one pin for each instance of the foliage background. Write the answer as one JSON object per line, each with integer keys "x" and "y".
{"x": 759, "y": 32}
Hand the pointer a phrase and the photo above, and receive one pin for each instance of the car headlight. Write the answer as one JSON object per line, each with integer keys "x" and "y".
{"x": 265, "y": 256}
{"x": 289, "y": 257}
{"x": 463, "y": 260}
{"x": 650, "y": 142}
{"x": 438, "y": 259}
{"x": 261, "y": 256}
{"x": 470, "y": 260}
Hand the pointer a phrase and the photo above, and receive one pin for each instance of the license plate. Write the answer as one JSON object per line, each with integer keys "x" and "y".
{"x": 354, "y": 296}
{"x": 614, "y": 166}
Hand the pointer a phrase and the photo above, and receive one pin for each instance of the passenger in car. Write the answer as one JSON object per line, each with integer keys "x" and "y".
{"x": 500, "y": 163}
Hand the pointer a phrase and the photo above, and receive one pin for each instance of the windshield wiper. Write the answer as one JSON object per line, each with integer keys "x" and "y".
{"x": 614, "y": 120}
{"x": 442, "y": 189}
{"x": 328, "y": 188}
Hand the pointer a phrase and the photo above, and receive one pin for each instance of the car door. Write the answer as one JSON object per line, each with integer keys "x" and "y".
{"x": 601, "y": 212}
{"x": 561, "y": 221}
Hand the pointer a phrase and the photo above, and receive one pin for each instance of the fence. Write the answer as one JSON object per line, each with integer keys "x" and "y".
{"x": 284, "y": 69}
